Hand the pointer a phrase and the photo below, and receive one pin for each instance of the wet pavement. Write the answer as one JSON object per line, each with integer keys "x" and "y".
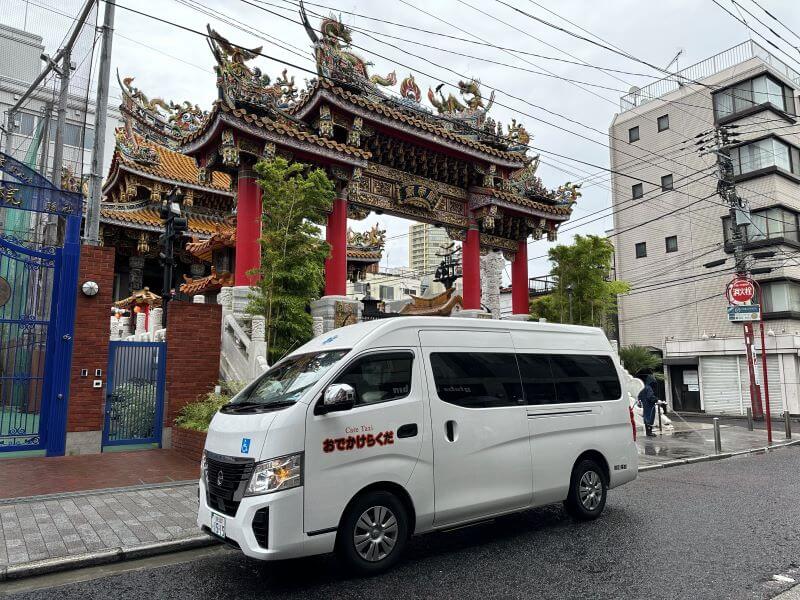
{"x": 692, "y": 437}
{"x": 724, "y": 529}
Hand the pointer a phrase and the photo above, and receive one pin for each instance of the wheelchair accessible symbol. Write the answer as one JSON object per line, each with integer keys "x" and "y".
{"x": 245, "y": 445}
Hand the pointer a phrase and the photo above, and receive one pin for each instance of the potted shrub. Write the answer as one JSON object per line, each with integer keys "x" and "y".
{"x": 191, "y": 424}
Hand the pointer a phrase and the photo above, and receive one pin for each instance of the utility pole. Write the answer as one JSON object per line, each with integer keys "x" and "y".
{"x": 44, "y": 148}
{"x": 92, "y": 228}
{"x": 61, "y": 115}
{"x": 174, "y": 226}
{"x": 718, "y": 142}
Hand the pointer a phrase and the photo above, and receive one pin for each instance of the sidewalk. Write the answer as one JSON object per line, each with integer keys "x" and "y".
{"x": 95, "y": 509}
{"x": 693, "y": 437}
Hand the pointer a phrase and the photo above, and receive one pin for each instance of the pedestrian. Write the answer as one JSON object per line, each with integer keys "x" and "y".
{"x": 648, "y": 399}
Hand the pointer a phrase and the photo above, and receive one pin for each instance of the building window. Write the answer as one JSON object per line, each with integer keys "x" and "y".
{"x": 771, "y": 223}
{"x": 409, "y": 292}
{"x": 26, "y": 124}
{"x": 641, "y": 249}
{"x": 761, "y": 90}
{"x": 671, "y": 243}
{"x": 663, "y": 122}
{"x": 633, "y": 134}
{"x": 769, "y": 152}
{"x": 387, "y": 292}
{"x": 360, "y": 288}
{"x": 666, "y": 183}
{"x": 780, "y": 296}
{"x": 637, "y": 190}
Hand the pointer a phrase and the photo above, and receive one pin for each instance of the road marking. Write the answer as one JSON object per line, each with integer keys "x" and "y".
{"x": 783, "y": 578}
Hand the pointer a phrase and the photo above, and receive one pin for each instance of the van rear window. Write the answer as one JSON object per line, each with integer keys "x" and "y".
{"x": 485, "y": 380}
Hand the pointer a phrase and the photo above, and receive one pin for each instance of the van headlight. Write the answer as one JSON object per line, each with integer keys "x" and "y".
{"x": 203, "y": 468}
{"x": 275, "y": 474}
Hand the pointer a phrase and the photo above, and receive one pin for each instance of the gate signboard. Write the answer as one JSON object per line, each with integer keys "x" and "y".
{"x": 39, "y": 253}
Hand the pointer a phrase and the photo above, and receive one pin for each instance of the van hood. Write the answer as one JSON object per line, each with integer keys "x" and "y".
{"x": 239, "y": 435}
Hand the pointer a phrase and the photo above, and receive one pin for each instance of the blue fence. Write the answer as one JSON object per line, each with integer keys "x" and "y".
{"x": 134, "y": 409}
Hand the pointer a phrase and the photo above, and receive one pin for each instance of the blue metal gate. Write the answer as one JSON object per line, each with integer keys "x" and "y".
{"x": 135, "y": 393}
{"x": 39, "y": 253}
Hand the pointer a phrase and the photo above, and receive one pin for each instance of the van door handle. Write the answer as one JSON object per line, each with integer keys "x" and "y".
{"x": 451, "y": 431}
{"x": 408, "y": 430}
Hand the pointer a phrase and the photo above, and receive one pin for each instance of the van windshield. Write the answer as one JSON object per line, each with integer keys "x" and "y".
{"x": 286, "y": 382}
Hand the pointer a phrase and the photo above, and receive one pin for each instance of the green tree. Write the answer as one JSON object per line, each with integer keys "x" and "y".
{"x": 582, "y": 274}
{"x": 638, "y": 359}
{"x": 296, "y": 202}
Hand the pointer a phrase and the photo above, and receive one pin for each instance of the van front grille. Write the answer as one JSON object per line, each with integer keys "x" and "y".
{"x": 226, "y": 481}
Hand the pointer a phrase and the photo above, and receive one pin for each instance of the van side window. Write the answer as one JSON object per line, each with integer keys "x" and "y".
{"x": 581, "y": 378}
{"x": 537, "y": 379}
{"x": 379, "y": 377}
{"x": 477, "y": 380}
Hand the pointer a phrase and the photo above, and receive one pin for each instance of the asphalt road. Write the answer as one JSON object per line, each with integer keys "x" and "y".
{"x": 708, "y": 530}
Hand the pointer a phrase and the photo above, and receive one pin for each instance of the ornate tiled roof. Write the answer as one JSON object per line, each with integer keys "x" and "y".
{"x": 147, "y": 216}
{"x": 143, "y": 296}
{"x": 210, "y": 283}
{"x": 167, "y": 165}
{"x": 441, "y": 305}
{"x": 429, "y": 124}
{"x": 284, "y": 127}
{"x": 363, "y": 255}
{"x": 203, "y": 249}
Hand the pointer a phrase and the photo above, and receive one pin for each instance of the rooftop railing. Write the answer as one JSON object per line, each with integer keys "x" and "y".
{"x": 705, "y": 68}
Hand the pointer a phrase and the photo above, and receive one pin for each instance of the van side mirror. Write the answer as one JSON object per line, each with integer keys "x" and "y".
{"x": 337, "y": 397}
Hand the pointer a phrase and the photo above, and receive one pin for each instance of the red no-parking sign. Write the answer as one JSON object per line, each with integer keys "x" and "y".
{"x": 740, "y": 291}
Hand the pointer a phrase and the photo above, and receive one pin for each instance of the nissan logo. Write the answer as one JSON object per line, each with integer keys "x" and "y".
{"x": 220, "y": 478}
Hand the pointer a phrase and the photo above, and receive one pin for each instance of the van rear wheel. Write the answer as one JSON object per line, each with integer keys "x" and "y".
{"x": 588, "y": 489}
{"x": 373, "y": 532}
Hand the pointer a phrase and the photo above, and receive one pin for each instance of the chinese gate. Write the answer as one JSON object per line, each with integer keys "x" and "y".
{"x": 39, "y": 254}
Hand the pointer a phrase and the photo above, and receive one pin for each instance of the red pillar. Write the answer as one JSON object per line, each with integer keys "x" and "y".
{"x": 248, "y": 228}
{"x": 336, "y": 263}
{"x": 471, "y": 269}
{"x": 519, "y": 280}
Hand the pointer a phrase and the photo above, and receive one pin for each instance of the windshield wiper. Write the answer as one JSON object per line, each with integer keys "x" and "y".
{"x": 255, "y": 406}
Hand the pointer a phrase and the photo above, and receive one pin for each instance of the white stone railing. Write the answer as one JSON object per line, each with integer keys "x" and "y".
{"x": 145, "y": 330}
{"x": 244, "y": 346}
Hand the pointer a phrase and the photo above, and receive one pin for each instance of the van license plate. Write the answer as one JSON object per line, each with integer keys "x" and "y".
{"x": 218, "y": 525}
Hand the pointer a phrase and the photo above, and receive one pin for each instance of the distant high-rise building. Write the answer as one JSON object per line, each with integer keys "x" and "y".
{"x": 424, "y": 241}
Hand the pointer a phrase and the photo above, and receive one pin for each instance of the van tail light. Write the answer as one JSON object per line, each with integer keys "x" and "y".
{"x": 633, "y": 422}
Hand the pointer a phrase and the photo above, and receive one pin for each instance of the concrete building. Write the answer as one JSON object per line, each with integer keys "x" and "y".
{"x": 392, "y": 284}
{"x": 424, "y": 240}
{"x": 20, "y": 63}
{"x": 669, "y": 223}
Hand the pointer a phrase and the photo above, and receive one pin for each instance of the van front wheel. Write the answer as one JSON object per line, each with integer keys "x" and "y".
{"x": 373, "y": 532}
{"x": 588, "y": 489}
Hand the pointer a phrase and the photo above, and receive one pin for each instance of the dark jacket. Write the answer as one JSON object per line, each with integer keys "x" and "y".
{"x": 647, "y": 397}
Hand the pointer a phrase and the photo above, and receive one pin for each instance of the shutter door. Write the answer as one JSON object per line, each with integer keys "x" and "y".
{"x": 775, "y": 387}
{"x": 720, "y": 385}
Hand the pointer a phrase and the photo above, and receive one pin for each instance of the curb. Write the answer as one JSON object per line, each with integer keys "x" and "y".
{"x": 102, "y": 557}
{"x": 721, "y": 456}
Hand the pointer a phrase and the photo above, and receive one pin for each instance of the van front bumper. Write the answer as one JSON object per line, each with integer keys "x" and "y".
{"x": 284, "y": 526}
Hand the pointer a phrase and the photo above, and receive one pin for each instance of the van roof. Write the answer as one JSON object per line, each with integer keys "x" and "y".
{"x": 368, "y": 332}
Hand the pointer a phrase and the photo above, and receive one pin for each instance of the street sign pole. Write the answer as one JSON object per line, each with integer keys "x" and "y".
{"x": 764, "y": 366}
{"x": 755, "y": 399}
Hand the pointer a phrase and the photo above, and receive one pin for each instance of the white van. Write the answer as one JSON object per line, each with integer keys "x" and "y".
{"x": 377, "y": 431}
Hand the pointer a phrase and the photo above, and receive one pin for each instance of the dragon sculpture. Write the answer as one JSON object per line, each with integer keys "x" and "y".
{"x": 239, "y": 83}
{"x": 165, "y": 121}
{"x": 471, "y": 93}
{"x": 372, "y": 238}
{"x": 333, "y": 57}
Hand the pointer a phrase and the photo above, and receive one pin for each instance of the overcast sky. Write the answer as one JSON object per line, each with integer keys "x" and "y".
{"x": 176, "y": 64}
